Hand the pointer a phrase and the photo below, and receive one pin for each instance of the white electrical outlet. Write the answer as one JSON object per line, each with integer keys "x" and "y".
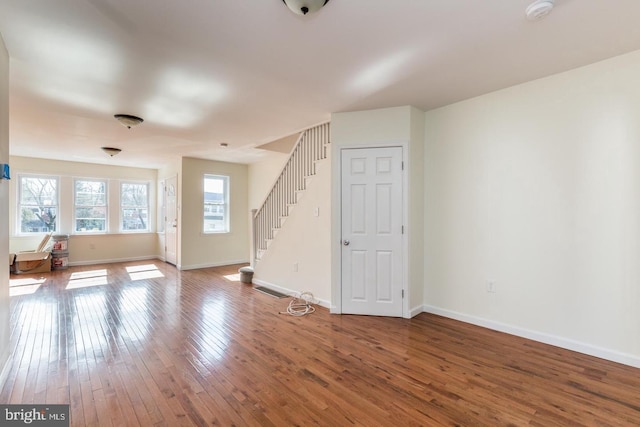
{"x": 491, "y": 286}
{"x": 295, "y": 267}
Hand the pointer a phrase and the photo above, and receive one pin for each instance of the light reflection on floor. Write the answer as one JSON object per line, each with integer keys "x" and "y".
{"x": 86, "y": 279}
{"x": 133, "y": 313}
{"x": 213, "y": 337}
{"x": 141, "y": 272}
{"x": 24, "y": 286}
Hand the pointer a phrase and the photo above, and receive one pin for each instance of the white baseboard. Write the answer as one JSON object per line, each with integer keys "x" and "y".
{"x": 415, "y": 311}
{"x": 158, "y": 258}
{"x": 566, "y": 343}
{"x": 112, "y": 260}
{"x": 214, "y": 264}
{"x": 320, "y": 302}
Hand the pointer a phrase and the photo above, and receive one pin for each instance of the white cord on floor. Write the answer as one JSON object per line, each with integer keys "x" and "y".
{"x": 301, "y": 305}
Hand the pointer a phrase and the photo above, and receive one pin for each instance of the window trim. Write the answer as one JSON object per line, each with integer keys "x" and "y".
{"x": 19, "y": 204}
{"x": 75, "y": 206}
{"x": 121, "y": 207}
{"x": 226, "y": 204}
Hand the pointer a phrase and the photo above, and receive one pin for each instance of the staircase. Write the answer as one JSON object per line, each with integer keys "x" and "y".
{"x": 311, "y": 147}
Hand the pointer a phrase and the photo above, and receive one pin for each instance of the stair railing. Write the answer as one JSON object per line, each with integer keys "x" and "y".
{"x": 311, "y": 146}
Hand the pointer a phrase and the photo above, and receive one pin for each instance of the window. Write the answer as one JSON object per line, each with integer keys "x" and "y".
{"x": 134, "y": 206}
{"x": 38, "y": 207}
{"x": 216, "y": 204}
{"x": 90, "y": 206}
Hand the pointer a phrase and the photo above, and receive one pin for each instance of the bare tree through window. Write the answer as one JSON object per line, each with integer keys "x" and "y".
{"x": 134, "y": 202}
{"x": 38, "y": 204}
{"x": 90, "y": 205}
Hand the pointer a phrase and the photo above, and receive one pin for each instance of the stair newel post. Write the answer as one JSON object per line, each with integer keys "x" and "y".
{"x": 254, "y": 238}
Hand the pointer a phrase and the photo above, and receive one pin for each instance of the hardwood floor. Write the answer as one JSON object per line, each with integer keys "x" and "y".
{"x": 144, "y": 344}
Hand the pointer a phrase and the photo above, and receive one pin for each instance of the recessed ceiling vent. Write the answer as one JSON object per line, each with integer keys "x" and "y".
{"x": 539, "y": 9}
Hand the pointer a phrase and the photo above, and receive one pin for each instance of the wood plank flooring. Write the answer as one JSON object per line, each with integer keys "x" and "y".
{"x": 144, "y": 344}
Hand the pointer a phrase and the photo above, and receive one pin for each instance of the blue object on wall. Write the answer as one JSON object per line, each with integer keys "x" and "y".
{"x": 5, "y": 171}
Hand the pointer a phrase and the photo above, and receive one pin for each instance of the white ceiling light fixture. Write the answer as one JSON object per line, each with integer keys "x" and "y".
{"x": 111, "y": 151}
{"x": 539, "y": 9}
{"x": 128, "y": 120}
{"x": 302, "y": 7}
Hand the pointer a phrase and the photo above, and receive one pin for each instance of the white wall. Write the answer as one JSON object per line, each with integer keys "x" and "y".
{"x": 199, "y": 250}
{"x": 88, "y": 249}
{"x": 537, "y": 188}
{"x": 4, "y": 210}
{"x": 262, "y": 176}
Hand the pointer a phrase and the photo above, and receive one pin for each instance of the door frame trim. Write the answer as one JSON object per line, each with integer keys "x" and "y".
{"x": 336, "y": 223}
{"x": 164, "y": 215}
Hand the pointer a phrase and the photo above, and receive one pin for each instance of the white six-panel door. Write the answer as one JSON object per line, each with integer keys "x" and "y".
{"x": 372, "y": 256}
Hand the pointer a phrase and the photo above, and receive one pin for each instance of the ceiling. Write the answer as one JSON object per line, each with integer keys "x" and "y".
{"x": 248, "y": 72}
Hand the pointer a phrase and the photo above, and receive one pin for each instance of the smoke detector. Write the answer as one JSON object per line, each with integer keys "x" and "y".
{"x": 539, "y": 9}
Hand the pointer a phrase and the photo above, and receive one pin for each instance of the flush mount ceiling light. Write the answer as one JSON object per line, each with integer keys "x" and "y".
{"x": 302, "y": 7}
{"x": 112, "y": 151}
{"x": 128, "y": 120}
{"x": 539, "y": 9}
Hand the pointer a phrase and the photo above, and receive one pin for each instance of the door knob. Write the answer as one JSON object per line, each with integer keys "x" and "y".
{"x": 346, "y": 242}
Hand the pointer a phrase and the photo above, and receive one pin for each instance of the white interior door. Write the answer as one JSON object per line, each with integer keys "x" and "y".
{"x": 171, "y": 220}
{"x": 372, "y": 249}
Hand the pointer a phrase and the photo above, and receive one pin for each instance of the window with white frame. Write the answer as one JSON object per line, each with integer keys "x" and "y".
{"x": 38, "y": 204}
{"x": 90, "y": 198}
{"x": 134, "y": 206}
{"x": 216, "y": 204}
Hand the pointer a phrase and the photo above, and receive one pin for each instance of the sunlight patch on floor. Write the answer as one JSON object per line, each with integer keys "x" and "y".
{"x": 88, "y": 274}
{"x": 24, "y": 286}
{"x": 141, "y": 272}
{"x": 86, "y": 279}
